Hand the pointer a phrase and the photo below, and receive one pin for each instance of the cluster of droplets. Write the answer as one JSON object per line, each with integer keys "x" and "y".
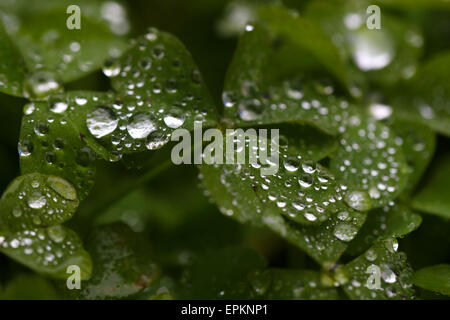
{"x": 381, "y": 272}
{"x": 370, "y": 161}
{"x": 36, "y": 200}
{"x": 46, "y": 247}
{"x": 161, "y": 93}
{"x": 311, "y": 103}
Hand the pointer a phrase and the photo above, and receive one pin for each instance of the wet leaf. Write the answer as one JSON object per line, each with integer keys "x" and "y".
{"x": 418, "y": 144}
{"x": 432, "y": 195}
{"x": 36, "y": 200}
{"x": 435, "y": 278}
{"x": 122, "y": 265}
{"x": 429, "y": 96}
{"x": 161, "y": 90}
{"x": 380, "y": 273}
{"x": 12, "y": 68}
{"x": 393, "y": 220}
{"x": 386, "y": 55}
{"x": 285, "y": 284}
{"x": 370, "y": 164}
{"x": 67, "y": 53}
{"x": 47, "y": 250}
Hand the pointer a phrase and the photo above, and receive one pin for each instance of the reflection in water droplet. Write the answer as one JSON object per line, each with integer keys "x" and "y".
{"x": 140, "y": 126}
{"x": 345, "y": 232}
{"x": 156, "y": 140}
{"x": 174, "y": 119}
{"x": 36, "y": 200}
{"x": 101, "y": 122}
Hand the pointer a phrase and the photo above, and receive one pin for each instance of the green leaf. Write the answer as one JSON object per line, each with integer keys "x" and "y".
{"x": 434, "y": 278}
{"x": 304, "y": 34}
{"x": 122, "y": 265}
{"x": 51, "y": 143}
{"x": 285, "y": 284}
{"x": 28, "y": 287}
{"x": 34, "y": 200}
{"x": 392, "y": 220}
{"x": 12, "y": 68}
{"x": 429, "y": 96}
{"x": 418, "y": 144}
{"x": 380, "y": 273}
{"x": 161, "y": 90}
{"x": 48, "y": 251}
{"x": 432, "y": 194}
{"x": 370, "y": 164}
{"x": 385, "y": 55}
{"x": 51, "y": 46}
{"x": 222, "y": 275}
{"x": 301, "y": 202}
{"x": 252, "y": 99}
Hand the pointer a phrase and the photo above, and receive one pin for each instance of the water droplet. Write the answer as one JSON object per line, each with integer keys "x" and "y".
{"x": 380, "y": 111}
{"x": 56, "y": 233}
{"x": 25, "y": 148}
{"x": 140, "y": 126}
{"x": 291, "y": 164}
{"x": 250, "y": 110}
{"x": 156, "y": 140}
{"x": 345, "y": 232}
{"x": 101, "y": 122}
{"x": 388, "y": 276}
{"x": 228, "y": 99}
{"x": 111, "y": 68}
{"x": 41, "y": 85}
{"x": 36, "y": 200}
{"x": 305, "y": 180}
{"x": 358, "y": 200}
{"x": 372, "y": 50}
{"x": 174, "y": 119}
{"x": 62, "y": 187}
{"x": 58, "y": 107}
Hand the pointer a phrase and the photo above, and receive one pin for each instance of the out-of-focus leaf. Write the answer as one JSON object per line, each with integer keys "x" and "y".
{"x": 380, "y": 273}
{"x": 29, "y": 287}
{"x": 69, "y": 54}
{"x": 122, "y": 265}
{"x": 386, "y": 55}
{"x": 222, "y": 275}
{"x": 47, "y": 250}
{"x": 12, "y": 67}
{"x": 432, "y": 195}
{"x": 394, "y": 220}
{"x": 35, "y": 200}
{"x": 428, "y": 98}
{"x": 434, "y": 278}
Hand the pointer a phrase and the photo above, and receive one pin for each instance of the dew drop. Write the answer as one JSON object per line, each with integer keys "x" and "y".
{"x": 140, "y": 126}
{"x": 101, "y": 122}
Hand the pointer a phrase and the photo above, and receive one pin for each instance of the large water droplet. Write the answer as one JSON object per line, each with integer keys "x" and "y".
{"x": 156, "y": 140}
{"x": 250, "y": 110}
{"x": 174, "y": 119}
{"x": 345, "y": 232}
{"x": 140, "y": 126}
{"x": 41, "y": 85}
{"x": 101, "y": 122}
{"x": 372, "y": 50}
{"x": 36, "y": 200}
{"x": 358, "y": 200}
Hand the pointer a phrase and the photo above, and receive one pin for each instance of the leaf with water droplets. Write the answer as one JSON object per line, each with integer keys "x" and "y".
{"x": 36, "y": 200}
{"x": 51, "y": 142}
{"x": 12, "y": 67}
{"x": 432, "y": 195}
{"x": 222, "y": 274}
{"x": 434, "y": 278}
{"x": 122, "y": 265}
{"x": 392, "y": 220}
{"x": 285, "y": 284}
{"x": 161, "y": 90}
{"x": 301, "y": 202}
{"x": 369, "y": 163}
{"x": 418, "y": 144}
{"x": 250, "y": 98}
{"x": 68, "y": 53}
{"x": 47, "y": 250}
{"x": 428, "y": 98}
{"x": 380, "y": 273}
